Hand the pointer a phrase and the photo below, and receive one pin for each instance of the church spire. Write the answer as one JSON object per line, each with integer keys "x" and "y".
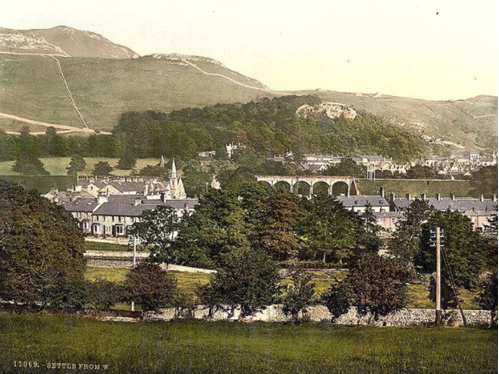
{"x": 174, "y": 170}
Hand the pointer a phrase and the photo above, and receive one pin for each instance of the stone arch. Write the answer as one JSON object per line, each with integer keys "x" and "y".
{"x": 321, "y": 188}
{"x": 282, "y": 186}
{"x": 340, "y": 188}
{"x": 302, "y": 188}
{"x": 267, "y": 184}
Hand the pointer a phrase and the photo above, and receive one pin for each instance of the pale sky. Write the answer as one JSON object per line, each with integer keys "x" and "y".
{"x": 429, "y": 49}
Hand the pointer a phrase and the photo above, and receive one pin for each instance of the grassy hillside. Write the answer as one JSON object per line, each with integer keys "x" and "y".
{"x": 32, "y": 87}
{"x": 401, "y": 187}
{"x": 57, "y": 165}
{"x": 469, "y": 123}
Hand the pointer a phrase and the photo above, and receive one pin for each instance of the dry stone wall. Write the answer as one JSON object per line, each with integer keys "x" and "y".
{"x": 319, "y": 313}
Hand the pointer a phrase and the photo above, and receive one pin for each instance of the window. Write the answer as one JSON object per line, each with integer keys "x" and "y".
{"x": 119, "y": 229}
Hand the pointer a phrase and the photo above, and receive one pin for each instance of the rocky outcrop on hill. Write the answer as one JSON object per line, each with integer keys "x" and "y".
{"x": 331, "y": 110}
{"x": 62, "y": 41}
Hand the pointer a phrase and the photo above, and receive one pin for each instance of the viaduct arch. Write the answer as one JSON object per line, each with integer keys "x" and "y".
{"x": 330, "y": 181}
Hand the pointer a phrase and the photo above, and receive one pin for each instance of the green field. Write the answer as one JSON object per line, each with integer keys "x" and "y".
{"x": 229, "y": 347}
{"x": 186, "y": 282}
{"x": 57, "y": 165}
{"x": 401, "y": 187}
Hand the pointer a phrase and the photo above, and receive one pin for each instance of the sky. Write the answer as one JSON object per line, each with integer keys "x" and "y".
{"x": 432, "y": 49}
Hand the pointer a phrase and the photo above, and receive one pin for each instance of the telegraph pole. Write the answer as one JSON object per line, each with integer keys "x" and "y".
{"x": 438, "y": 312}
{"x": 134, "y": 261}
{"x": 435, "y": 238}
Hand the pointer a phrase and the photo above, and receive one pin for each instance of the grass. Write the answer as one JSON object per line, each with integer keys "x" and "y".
{"x": 57, "y": 165}
{"x": 228, "y": 347}
{"x": 98, "y": 246}
{"x": 401, "y": 187}
{"x": 186, "y": 282}
{"x": 103, "y": 89}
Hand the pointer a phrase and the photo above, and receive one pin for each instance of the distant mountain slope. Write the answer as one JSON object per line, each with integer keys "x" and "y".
{"x": 470, "y": 123}
{"x": 62, "y": 41}
{"x": 32, "y": 87}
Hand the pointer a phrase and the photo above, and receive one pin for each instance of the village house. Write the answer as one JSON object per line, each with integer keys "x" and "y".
{"x": 478, "y": 210}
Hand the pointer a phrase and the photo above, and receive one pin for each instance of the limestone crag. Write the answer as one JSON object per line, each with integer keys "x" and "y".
{"x": 331, "y": 110}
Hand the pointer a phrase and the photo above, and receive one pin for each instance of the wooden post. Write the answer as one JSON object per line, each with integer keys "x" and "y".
{"x": 134, "y": 261}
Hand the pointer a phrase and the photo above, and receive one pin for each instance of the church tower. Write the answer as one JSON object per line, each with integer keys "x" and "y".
{"x": 176, "y": 185}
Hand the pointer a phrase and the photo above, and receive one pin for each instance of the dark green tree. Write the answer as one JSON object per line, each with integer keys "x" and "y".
{"x": 156, "y": 231}
{"x": 148, "y": 285}
{"x": 484, "y": 182}
{"x": 421, "y": 172}
{"x": 298, "y": 295}
{"x": 128, "y": 160}
{"x": 405, "y": 244}
{"x": 103, "y": 294}
{"x": 76, "y": 164}
{"x": 196, "y": 179}
{"x": 29, "y": 165}
{"x": 41, "y": 249}
{"x": 247, "y": 279}
{"x": 328, "y": 230}
{"x": 276, "y": 217}
{"x": 462, "y": 251}
{"x": 346, "y": 167}
{"x": 154, "y": 171}
{"x": 368, "y": 241}
{"x": 338, "y": 299}
{"x": 487, "y": 299}
{"x": 102, "y": 168}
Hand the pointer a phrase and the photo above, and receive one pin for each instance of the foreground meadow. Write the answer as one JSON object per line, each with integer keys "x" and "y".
{"x": 229, "y": 347}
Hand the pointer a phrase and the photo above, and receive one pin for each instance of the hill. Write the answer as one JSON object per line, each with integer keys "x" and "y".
{"x": 62, "y": 41}
{"x": 32, "y": 87}
{"x": 460, "y": 124}
{"x": 38, "y": 81}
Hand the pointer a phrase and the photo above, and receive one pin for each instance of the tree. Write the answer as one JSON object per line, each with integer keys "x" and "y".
{"x": 148, "y": 285}
{"x": 462, "y": 251}
{"x": 196, "y": 180}
{"x": 346, "y": 167}
{"x": 247, "y": 279}
{"x": 368, "y": 242}
{"x": 421, "y": 172}
{"x": 484, "y": 181}
{"x": 29, "y": 165}
{"x": 276, "y": 218}
{"x": 127, "y": 160}
{"x": 103, "y": 294}
{"x": 76, "y": 164}
{"x": 102, "y": 168}
{"x": 299, "y": 294}
{"x": 377, "y": 286}
{"x": 154, "y": 171}
{"x": 156, "y": 230}
{"x": 41, "y": 249}
{"x": 338, "y": 298}
{"x": 218, "y": 226}
{"x": 405, "y": 244}
{"x": 328, "y": 230}
{"x": 448, "y": 296}
{"x": 487, "y": 299}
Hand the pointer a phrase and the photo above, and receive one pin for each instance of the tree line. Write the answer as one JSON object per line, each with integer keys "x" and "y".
{"x": 248, "y": 236}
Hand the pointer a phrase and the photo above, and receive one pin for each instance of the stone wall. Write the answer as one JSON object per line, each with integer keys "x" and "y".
{"x": 319, "y": 313}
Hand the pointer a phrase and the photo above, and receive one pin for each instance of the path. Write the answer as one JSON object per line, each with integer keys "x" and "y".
{"x": 226, "y": 77}
{"x": 63, "y": 128}
{"x": 69, "y": 92}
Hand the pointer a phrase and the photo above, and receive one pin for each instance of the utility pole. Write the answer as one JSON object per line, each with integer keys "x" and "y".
{"x": 435, "y": 242}
{"x": 134, "y": 262}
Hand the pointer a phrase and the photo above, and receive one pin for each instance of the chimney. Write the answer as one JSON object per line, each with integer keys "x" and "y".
{"x": 392, "y": 197}
{"x": 423, "y": 196}
{"x": 381, "y": 192}
{"x": 437, "y": 196}
{"x": 481, "y": 198}
{"x": 408, "y": 196}
{"x": 494, "y": 197}
{"x": 452, "y": 196}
